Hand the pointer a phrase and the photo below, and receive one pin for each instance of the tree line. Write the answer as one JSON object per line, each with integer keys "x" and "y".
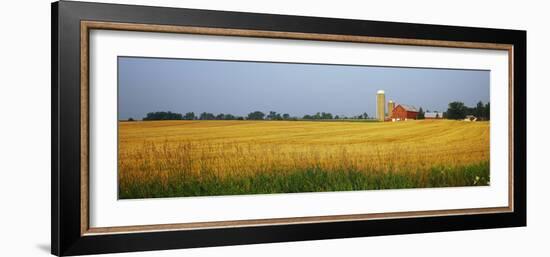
{"x": 458, "y": 111}
{"x": 256, "y": 115}
{"x": 455, "y": 111}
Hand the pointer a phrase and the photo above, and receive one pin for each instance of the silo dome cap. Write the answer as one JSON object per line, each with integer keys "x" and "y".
{"x": 380, "y": 92}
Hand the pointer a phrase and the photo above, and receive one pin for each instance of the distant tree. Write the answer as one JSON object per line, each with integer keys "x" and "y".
{"x": 420, "y": 114}
{"x": 189, "y": 116}
{"x": 229, "y": 117}
{"x": 326, "y": 116}
{"x": 286, "y": 116}
{"x": 274, "y": 116}
{"x": 163, "y": 116}
{"x": 257, "y": 115}
{"x": 470, "y": 110}
{"x": 271, "y": 115}
{"x": 336, "y": 117}
{"x": 479, "y": 110}
{"x": 456, "y": 111}
{"x": 362, "y": 116}
{"x": 487, "y": 111}
{"x": 239, "y": 118}
{"x": 437, "y": 115}
{"x": 130, "y": 119}
{"x": 207, "y": 116}
{"x": 319, "y": 116}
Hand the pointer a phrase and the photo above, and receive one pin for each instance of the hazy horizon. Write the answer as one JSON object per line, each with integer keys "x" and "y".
{"x": 238, "y": 87}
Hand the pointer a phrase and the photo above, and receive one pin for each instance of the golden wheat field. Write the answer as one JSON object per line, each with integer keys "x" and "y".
{"x": 162, "y": 151}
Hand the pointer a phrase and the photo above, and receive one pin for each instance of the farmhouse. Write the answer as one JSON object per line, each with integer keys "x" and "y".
{"x": 470, "y": 118}
{"x": 404, "y": 112}
{"x": 433, "y": 115}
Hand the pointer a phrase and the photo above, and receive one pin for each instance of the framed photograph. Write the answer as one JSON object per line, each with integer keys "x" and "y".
{"x": 178, "y": 128}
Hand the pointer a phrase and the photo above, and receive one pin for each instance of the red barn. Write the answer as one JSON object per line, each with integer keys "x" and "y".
{"x": 403, "y": 112}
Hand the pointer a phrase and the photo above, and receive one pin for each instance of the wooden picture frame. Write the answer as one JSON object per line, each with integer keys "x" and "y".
{"x": 71, "y": 25}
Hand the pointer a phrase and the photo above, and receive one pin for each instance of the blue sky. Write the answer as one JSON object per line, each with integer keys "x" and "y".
{"x": 183, "y": 85}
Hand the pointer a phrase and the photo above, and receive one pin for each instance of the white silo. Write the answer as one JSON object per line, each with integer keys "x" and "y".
{"x": 380, "y": 105}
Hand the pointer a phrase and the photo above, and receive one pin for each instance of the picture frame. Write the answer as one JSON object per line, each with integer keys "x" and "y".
{"x": 72, "y": 23}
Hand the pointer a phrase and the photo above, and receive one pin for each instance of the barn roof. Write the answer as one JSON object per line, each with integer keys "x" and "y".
{"x": 409, "y": 108}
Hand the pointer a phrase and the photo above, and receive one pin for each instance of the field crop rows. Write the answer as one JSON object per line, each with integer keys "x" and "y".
{"x": 197, "y": 158}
